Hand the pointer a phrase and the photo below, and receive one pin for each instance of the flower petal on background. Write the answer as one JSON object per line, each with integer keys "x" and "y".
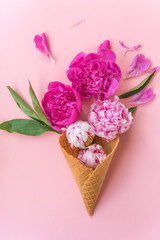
{"x": 139, "y": 65}
{"x": 78, "y": 23}
{"x": 144, "y": 96}
{"x": 129, "y": 48}
{"x": 42, "y": 45}
{"x": 154, "y": 69}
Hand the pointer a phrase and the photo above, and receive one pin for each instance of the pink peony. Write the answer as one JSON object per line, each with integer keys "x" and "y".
{"x": 109, "y": 118}
{"x": 79, "y": 134}
{"x": 95, "y": 74}
{"x": 92, "y": 156}
{"x": 61, "y": 104}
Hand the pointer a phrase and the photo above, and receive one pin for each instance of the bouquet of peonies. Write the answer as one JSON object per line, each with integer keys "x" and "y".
{"x": 88, "y": 146}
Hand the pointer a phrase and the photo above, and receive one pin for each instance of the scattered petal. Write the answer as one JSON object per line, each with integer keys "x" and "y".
{"x": 144, "y": 96}
{"x": 139, "y": 65}
{"x": 42, "y": 45}
{"x": 78, "y": 23}
{"x": 129, "y": 48}
{"x": 154, "y": 69}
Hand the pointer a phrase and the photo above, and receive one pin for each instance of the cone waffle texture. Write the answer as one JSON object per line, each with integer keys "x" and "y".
{"x": 88, "y": 180}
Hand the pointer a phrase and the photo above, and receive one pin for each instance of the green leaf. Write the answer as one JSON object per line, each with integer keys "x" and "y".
{"x": 132, "y": 109}
{"x": 138, "y": 88}
{"x": 37, "y": 106}
{"x": 22, "y": 104}
{"x": 26, "y": 127}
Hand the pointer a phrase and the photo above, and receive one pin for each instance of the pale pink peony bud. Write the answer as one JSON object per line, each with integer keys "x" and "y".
{"x": 79, "y": 134}
{"x": 92, "y": 155}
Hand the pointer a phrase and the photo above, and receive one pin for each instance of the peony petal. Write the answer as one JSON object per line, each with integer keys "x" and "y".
{"x": 92, "y": 56}
{"x": 154, "y": 69}
{"x": 42, "y": 45}
{"x": 144, "y": 96}
{"x": 72, "y": 118}
{"x": 107, "y": 54}
{"x": 103, "y": 96}
{"x": 71, "y": 74}
{"x": 139, "y": 65}
{"x": 129, "y": 48}
{"x": 77, "y": 60}
{"x": 105, "y": 45}
{"x": 55, "y": 84}
{"x": 113, "y": 87}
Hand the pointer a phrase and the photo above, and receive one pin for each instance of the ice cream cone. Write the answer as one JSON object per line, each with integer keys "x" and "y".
{"x": 88, "y": 180}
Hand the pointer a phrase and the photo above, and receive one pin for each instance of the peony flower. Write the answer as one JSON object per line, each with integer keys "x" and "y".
{"x": 109, "y": 118}
{"x": 62, "y": 105}
{"x": 95, "y": 74}
{"x": 92, "y": 156}
{"x": 79, "y": 134}
{"x": 42, "y": 45}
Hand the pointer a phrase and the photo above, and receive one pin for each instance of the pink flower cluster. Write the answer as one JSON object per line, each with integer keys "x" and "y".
{"x": 98, "y": 75}
{"x": 109, "y": 118}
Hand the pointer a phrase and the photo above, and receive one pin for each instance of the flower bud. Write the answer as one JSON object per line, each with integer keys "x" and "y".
{"x": 92, "y": 156}
{"x": 79, "y": 135}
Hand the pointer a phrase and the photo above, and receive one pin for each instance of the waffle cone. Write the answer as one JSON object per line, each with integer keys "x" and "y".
{"x": 88, "y": 180}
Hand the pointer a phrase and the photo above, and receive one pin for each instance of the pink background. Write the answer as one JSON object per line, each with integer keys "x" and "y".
{"x": 39, "y": 199}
